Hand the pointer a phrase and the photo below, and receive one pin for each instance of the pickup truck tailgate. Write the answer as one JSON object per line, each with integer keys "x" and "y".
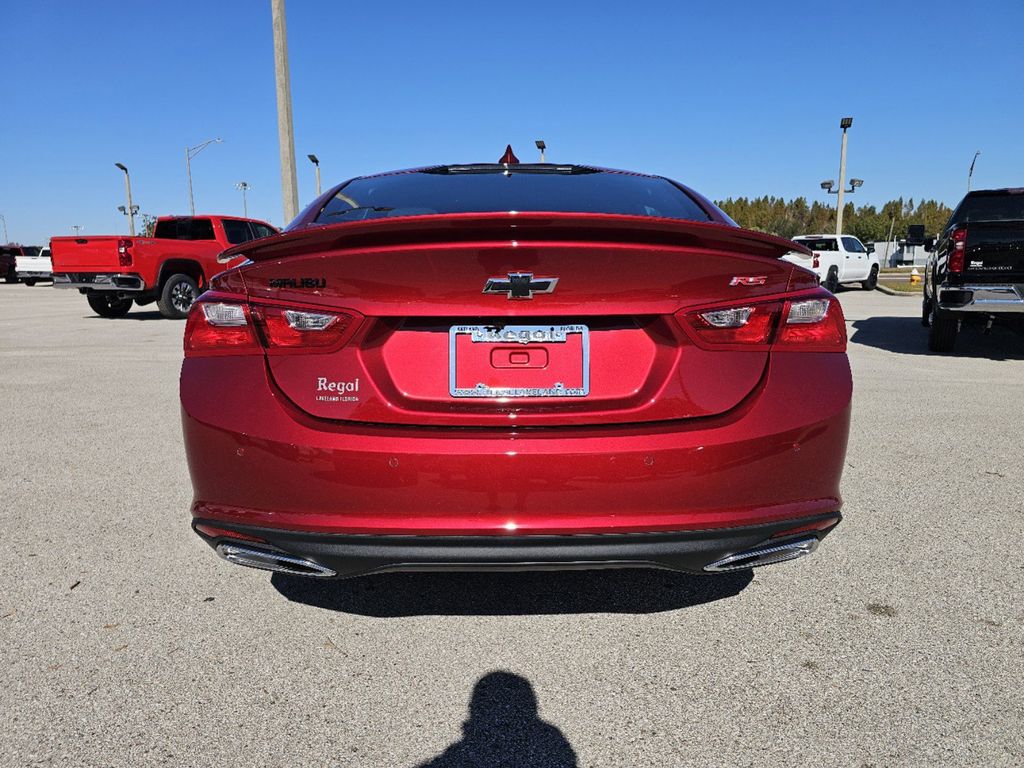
{"x": 85, "y": 254}
{"x": 994, "y": 252}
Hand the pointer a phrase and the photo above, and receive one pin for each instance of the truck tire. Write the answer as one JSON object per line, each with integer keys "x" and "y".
{"x": 872, "y": 282}
{"x": 926, "y": 311}
{"x": 832, "y": 280}
{"x": 178, "y": 295}
{"x": 942, "y": 331}
{"x": 106, "y": 305}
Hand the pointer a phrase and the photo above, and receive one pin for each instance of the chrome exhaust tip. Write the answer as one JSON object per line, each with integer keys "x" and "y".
{"x": 764, "y": 555}
{"x": 272, "y": 561}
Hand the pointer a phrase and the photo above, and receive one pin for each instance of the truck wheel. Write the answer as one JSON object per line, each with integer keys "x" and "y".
{"x": 832, "y": 280}
{"x": 30, "y": 281}
{"x": 872, "y": 281}
{"x": 177, "y": 297}
{"x": 926, "y": 311}
{"x": 108, "y": 306}
{"x": 942, "y": 331}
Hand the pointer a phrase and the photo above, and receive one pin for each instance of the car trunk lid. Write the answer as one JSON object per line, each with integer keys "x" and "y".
{"x": 532, "y": 320}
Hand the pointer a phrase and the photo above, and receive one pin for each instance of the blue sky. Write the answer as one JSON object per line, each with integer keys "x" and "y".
{"x": 732, "y": 98}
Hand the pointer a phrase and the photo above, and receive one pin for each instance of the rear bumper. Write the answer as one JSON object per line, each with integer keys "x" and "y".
{"x": 99, "y": 281}
{"x": 982, "y": 298}
{"x": 689, "y": 551}
{"x": 256, "y": 460}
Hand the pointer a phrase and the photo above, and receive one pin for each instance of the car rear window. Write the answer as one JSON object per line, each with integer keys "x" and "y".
{"x": 184, "y": 229}
{"x": 489, "y": 189}
{"x": 818, "y": 243}
{"x": 236, "y": 231}
{"x": 1007, "y": 206}
{"x": 262, "y": 230}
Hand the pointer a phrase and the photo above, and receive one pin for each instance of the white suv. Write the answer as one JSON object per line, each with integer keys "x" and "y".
{"x": 837, "y": 260}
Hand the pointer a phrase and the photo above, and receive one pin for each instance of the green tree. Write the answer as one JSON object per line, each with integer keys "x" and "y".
{"x": 796, "y": 217}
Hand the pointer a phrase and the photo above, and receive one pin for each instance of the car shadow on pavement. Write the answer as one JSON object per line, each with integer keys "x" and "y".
{"x": 906, "y": 336}
{"x": 626, "y": 590}
{"x": 147, "y": 315}
{"x": 505, "y": 729}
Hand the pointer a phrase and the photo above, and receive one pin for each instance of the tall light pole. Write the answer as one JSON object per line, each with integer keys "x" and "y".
{"x": 315, "y": 161}
{"x": 285, "y": 133}
{"x": 130, "y": 210}
{"x": 191, "y": 152}
{"x": 971, "y": 171}
{"x": 244, "y": 186}
{"x": 77, "y": 228}
{"x": 541, "y": 146}
{"x": 6, "y": 240}
{"x": 845, "y": 123}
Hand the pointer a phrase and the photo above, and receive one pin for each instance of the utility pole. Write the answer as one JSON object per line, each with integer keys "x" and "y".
{"x": 285, "y": 132}
{"x": 971, "y": 172}
{"x": 845, "y": 123}
{"x": 130, "y": 210}
{"x": 6, "y": 240}
{"x": 244, "y": 186}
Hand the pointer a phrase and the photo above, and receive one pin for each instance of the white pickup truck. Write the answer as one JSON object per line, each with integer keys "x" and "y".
{"x": 34, "y": 264}
{"x": 837, "y": 260}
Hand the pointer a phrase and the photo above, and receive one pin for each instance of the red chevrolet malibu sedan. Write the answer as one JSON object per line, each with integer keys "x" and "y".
{"x": 514, "y": 366}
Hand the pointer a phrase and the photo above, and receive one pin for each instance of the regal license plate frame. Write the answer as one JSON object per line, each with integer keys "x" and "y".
{"x": 550, "y": 335}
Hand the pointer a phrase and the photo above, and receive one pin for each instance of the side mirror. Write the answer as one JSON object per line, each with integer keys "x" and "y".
{"x": 929, "y": 243}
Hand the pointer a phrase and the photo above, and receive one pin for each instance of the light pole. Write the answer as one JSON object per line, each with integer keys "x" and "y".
{"x": 6, "y": 240}
{"x": 285, "y": 133}
{"x": 130, "y": 210}
{"x": 244, "y": 186}
{"x": 315, "y": 161}
{"x": 845, "y": 123}
{"x": 971, "y": 171}
{"x": 191, "y": 152}
{"x": 77, "y": 228}
{"x": 829, "y": 185}
{"x": 541, "y": 146}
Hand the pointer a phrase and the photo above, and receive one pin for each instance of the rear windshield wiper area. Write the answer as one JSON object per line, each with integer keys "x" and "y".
{"x": 515, "y": 168}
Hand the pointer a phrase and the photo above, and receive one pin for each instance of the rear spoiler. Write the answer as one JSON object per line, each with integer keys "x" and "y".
{"x": 466, "y": 227}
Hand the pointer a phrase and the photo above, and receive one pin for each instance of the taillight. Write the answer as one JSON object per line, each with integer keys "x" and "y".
{"x": 124, "y": 255}
{"x": 227, "y": 327}
{"x": 216, "y": 327}
{"x": 816, "y": 262}
{"x": 750, "y": 324}
{"x": 301, "y": 328}
{"x": 958, "y": 243}
{"x": 813, "y": 324}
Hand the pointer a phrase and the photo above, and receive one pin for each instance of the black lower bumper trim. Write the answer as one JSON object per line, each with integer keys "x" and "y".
{"x": 354, "y": 555}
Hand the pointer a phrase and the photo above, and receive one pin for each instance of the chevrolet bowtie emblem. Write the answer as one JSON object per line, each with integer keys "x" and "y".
{"x": 520, "y": 285}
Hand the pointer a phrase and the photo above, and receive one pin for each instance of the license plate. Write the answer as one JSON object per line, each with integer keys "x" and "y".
{"x": 519, "y": 361}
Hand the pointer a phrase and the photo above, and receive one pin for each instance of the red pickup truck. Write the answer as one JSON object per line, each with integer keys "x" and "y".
{"x": 171, "y": 268}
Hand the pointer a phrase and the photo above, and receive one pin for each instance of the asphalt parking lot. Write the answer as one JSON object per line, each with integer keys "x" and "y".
{"x": 127, "y": 642}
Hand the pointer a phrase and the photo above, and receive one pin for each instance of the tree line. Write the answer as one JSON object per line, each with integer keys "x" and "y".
{"x": 868, "y": 223}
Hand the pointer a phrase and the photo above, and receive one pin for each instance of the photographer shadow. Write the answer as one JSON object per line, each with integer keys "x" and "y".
{"x": 505, "y": 729}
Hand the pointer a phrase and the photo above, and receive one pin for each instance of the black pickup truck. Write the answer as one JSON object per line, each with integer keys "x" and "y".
{"x": 976, "y": 269}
